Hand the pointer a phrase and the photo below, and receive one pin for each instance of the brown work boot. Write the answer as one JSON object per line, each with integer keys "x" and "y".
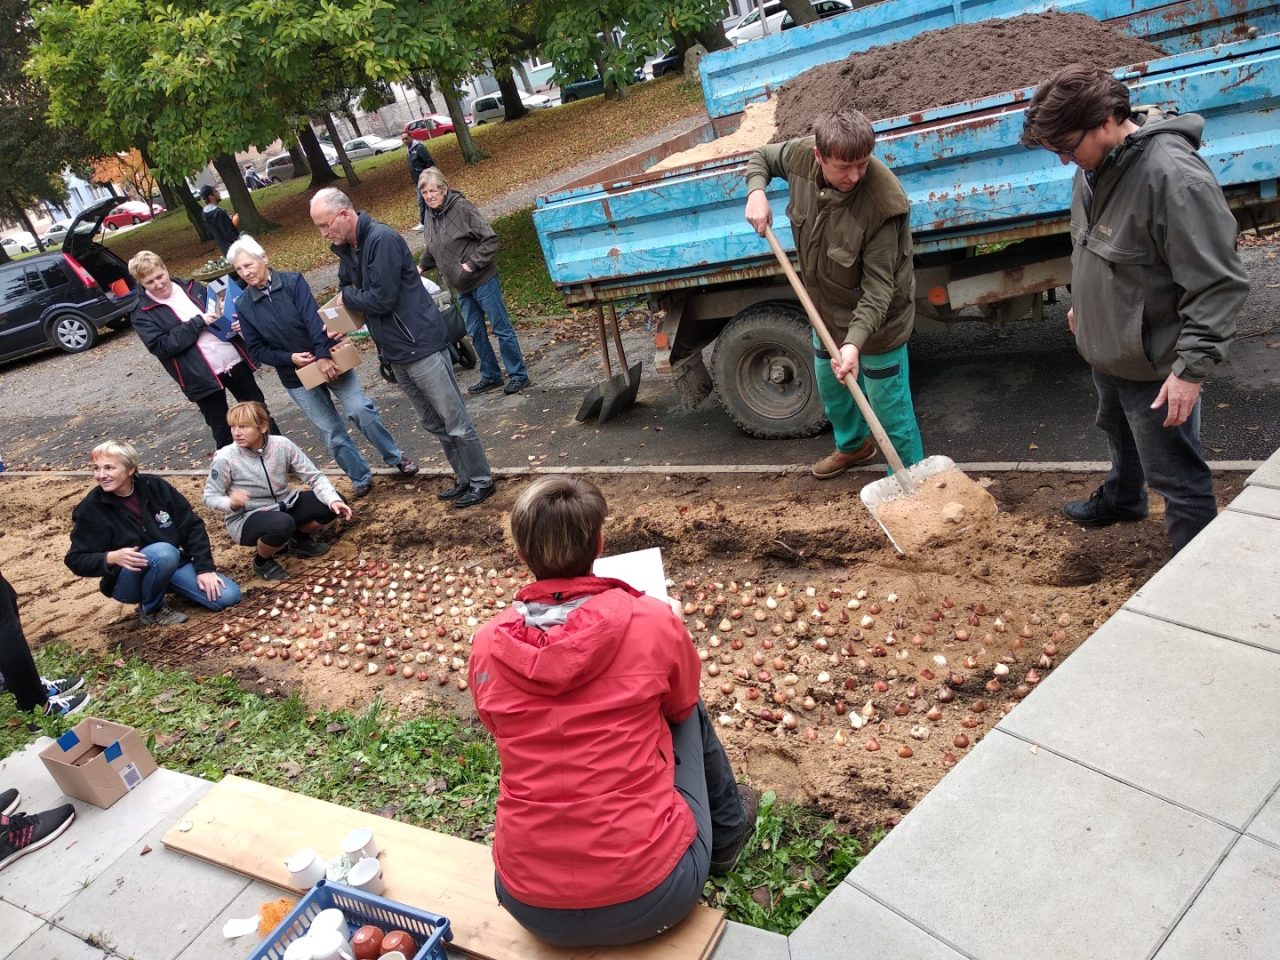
{"x": 837, "y": 462}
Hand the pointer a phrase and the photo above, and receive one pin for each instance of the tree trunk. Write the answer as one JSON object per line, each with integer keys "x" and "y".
{"x": 30, "y": 227}
{"x": 513, "y": 107}
{"x": 352, "y": 179}
{"x": 300, "y": 166}
{"x": 251, "y": 221}
{"x": 712, "y": 37}
{"x": 351, "y": 119}
{"x": 470, "y": 152}
{"x": 423, "y": 85}
{"x": 518, "y": 66}
{"x": 181, "y": 195}
{"x": 801, "y": 11}
{"x": 321, "y": 174}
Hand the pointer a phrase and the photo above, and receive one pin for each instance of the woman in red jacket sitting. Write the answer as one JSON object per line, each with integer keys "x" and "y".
{"x": 616, "y": 799}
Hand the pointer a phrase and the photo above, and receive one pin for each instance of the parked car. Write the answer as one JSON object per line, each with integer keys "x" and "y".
{"x": 371, "y": 146}
{"x": 280, "y": 166}
{"x": 63, "y": 299}
{"x": 22, "y": 243}
{"x": 669, "y": 62}
{"x": 751, "y": 27}
{"x": 57, "y": 232}
{"x": 131, "y": 211}
{"x": 490, "y": 106}
{"x": 592, "y": 87}
{"x": 429, "y": 127}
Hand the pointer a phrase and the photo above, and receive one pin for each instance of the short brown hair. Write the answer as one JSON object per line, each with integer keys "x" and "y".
{"x": 845, "y": 134}
{"x": 1073, "y": 100}
{"x": 144, "y": 264}
{"x": 556, "y": 524}
{"x": 249, "y": 413}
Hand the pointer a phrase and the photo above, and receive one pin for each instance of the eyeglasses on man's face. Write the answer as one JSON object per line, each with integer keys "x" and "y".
{"x": 1068, "y": 155}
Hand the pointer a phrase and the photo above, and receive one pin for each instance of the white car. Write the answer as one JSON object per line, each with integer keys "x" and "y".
{"x": 750, "y": 27}
{"x": 371, "y": 146}
{"x": 280, "y": 167}
{"x": 490, "y": 106}
{"x": 22, "y": 243}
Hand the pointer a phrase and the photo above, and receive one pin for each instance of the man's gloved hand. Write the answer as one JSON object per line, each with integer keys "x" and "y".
{"x": 384, "y": 368}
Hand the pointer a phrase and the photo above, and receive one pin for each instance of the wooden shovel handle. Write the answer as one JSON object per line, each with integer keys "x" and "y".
{"x": 604, "y": 342}
{"x": 617, "y": 335}
{"x": 850, "y": 381}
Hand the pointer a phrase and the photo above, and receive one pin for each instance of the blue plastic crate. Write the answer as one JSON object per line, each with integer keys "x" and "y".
{"x": 360, "y": 908}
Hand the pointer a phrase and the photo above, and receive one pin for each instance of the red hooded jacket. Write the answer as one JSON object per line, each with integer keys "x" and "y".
{"x": 578, "y": 683}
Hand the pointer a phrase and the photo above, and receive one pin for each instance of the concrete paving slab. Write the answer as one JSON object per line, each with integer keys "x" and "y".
{"x": 45, "y": 881}
{"x": 1237, "y": 915}
{"x": 1223, "y": 582}
{"x": 849, "y": 925}
{"x": 1266, "y": 825}
{"x": 1263, "y": 501}
{"x": 15, "y": 926}
{"x": 741, "y": 942}
{"x": 50, "y": 943}
{"x": 210, "y": 944}
{"x": 1169, "y": 734}
{"x": 123, "y": 897}
{"x": 1012, "y": 819}
{"x": 1267, "y": 475}
{"x": 25, "y": 772}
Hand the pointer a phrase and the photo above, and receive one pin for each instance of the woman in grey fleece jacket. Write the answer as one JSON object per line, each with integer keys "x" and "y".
{"x": 249, "y": 481}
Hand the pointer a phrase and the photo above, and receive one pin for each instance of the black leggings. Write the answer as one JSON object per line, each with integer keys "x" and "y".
{"x": 240, "y": 381}
{"x": 275, "y": 527}
{"x": 20, "y": 673}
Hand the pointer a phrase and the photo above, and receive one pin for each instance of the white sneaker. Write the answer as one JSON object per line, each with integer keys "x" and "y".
{"x": 417, "y": 228}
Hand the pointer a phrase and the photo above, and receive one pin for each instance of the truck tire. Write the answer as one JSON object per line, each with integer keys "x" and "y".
{"x": 763, "y": 371}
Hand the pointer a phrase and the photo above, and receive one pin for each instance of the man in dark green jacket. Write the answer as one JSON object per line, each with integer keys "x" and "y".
{"x": 1156, "y": 286}
{"x": 849, "y": 219}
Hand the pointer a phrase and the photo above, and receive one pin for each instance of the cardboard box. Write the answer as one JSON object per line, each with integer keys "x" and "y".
{"x": 345, "y": 355}
{"x": 340, "y": 319}
{"x": 98, "y": 761}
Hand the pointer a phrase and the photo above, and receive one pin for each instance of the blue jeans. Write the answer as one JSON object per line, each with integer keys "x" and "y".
{"x": 1144, "y": 452}
{"x": 165, "y": 571}
{"x": 486, "y": 301}
{"x": 317, "y": 405}
{"x": 432, "y": 388}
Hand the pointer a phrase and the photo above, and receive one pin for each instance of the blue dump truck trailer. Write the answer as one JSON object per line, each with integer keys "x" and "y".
{"x": 990, "y": 218}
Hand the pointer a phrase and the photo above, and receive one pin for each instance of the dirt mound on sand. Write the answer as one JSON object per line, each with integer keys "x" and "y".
{"x": 946, "y": 66}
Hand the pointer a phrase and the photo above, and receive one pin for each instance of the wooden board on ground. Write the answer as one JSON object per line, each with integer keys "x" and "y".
{"x": 251, "y": 828}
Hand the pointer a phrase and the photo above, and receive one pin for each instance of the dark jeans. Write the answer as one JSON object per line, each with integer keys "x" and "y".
{"x": 705, "y": 780}
{"x": 1144, "y": 453}
{"x": 275, "y": 527}
{"x": 240, "y": 381}
{"x": 19, "y": 669}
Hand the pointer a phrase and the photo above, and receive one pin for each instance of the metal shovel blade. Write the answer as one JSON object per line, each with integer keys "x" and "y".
{"x": 591, "y": 403}
{"x": 876, "y": 494}
{"x": 620, "y": 392}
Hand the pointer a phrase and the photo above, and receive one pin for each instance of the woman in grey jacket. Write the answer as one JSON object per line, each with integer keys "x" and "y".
{"x": 249, "y": 481}
{"x": 460, "y": 241}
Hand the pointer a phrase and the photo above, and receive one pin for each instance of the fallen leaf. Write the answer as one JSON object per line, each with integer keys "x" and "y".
{"x": 145, "y": 850}
{"x": 1033, "y": 446}
{"x": 291, "y": 770}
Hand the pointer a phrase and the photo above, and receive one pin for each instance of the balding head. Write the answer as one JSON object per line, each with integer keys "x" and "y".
{"x": 334, "y": 216}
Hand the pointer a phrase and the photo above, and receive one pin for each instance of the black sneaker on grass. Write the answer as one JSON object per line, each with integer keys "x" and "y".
{"x": 723, "y": 861}
{"x": 24, "y": 832}
{"x": 56, "y": 687}
{"x": 268, "y": 569}
{"x": 67, "y": 704}
{"x": 8, "y": 801}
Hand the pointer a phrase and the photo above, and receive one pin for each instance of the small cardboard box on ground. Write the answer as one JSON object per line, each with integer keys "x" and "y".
{"x": 345, "y": 355}
{"x": 98, "y": 761}
{"x": 339, "y": 319}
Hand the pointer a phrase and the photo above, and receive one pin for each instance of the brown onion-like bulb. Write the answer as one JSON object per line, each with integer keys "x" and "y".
{"x": 905, "y": 752}
{"x": 872, "y": 745}
{"x": 961, "y": 741}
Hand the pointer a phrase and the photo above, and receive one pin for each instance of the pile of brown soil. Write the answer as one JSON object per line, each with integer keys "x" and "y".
{"x": 959, "y": 63}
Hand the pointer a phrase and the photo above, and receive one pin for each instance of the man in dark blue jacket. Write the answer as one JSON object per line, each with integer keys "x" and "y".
{"x": 419, "y": 160}
{"x": 377, "y": 277}
{"x": 281, "y": 326}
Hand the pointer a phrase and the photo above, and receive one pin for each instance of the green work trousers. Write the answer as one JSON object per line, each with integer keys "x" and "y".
{"x": 885, "y": 379}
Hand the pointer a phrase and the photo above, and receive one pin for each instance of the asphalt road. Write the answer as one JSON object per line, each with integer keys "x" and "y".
{"x": 1017, "y": 392}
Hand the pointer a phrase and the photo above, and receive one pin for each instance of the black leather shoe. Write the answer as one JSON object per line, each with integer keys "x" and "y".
{"x": 1096, "y": 512}
{"x": 473, "y": 496}
{"x": 458, "y": 489}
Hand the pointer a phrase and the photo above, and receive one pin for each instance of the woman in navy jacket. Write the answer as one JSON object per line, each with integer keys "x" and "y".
{"x": 171, "y": 320}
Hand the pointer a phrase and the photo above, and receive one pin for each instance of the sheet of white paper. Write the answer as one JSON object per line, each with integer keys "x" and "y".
{"x": 641, "y": 569}
{"x": 238, "y": 928}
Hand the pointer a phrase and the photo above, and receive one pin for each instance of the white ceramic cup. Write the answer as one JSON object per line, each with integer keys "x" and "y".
{"x": 359, "y": 843}
{"x": 329, "y": 945}
{"x": 331, "y": 919}
{"x": 305, "y": 867}
{"x": 366, "y": 875}
{"x": 393, "y": 955}
{"x": 300, "y": 949}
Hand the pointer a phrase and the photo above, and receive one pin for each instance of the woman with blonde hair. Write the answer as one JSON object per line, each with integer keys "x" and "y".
{"x": 140, "y": 536}
{"x": 249, "y": 482}
{"x": 203, "y": 358}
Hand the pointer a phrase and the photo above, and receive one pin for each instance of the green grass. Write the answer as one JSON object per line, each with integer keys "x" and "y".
{"x": 525, "y": 283}
{"x": 433, "y": 770}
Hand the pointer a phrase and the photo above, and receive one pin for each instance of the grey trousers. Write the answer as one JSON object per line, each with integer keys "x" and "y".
{"x": 705, "y": 780}
{"x": 432, "y": 388}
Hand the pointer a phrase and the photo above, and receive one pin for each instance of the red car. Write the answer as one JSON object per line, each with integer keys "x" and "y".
{"x": 131, "y": 211}
{"x": 429, "y": 127}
